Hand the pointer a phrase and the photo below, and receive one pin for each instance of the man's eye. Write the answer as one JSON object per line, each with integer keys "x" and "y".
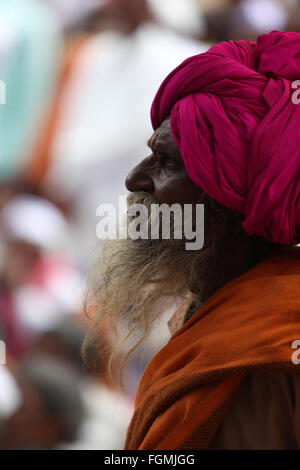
{"x": 170, "y": 162}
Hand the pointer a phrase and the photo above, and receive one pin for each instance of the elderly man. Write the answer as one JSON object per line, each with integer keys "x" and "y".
{"x": 226, "y": 136}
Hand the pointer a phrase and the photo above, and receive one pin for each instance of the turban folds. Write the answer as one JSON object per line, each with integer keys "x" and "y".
{"x": 238, "y": 129}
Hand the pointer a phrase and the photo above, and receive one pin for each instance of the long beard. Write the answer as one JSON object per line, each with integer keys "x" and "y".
{"x": 137, "y": 279}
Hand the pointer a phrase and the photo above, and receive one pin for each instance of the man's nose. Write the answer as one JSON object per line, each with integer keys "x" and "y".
{"x": 139, "y": 179}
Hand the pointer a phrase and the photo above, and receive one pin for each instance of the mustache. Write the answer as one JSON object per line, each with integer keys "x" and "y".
{"x": 146, "y": 200}
{"x": 141, "y": 197}
{"x": 164, "y": 222}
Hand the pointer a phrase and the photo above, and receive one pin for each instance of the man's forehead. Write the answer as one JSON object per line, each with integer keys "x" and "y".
{"x": 162, "y": 141}
{"x": 162, "y": 135}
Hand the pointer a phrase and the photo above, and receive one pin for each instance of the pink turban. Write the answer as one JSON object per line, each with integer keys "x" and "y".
{"x": 238, "y": 129}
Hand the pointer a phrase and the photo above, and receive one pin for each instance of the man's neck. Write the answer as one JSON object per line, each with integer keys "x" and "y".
{"x": 231, "y": 260}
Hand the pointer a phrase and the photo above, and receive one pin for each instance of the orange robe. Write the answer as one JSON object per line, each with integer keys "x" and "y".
{"x": 247, "y": 325}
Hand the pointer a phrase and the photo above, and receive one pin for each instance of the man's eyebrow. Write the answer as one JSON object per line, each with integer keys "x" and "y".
{"x": 151, "y": 141}
{"x": 154, "y": 145}
{"x": 163, "y": 148}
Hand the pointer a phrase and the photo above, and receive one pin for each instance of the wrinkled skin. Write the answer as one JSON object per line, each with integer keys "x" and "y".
{"x": 162, "y": 175}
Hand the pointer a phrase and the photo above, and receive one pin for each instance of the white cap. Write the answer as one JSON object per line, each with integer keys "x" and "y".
{"x": 34, "y": 220}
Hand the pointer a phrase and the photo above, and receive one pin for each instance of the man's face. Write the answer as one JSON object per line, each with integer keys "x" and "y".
{"x": 163, "y": 175}
{"x": 137, "y": 279}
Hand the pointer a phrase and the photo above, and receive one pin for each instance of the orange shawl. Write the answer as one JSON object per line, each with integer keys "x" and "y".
{"x": 250, "y": 323}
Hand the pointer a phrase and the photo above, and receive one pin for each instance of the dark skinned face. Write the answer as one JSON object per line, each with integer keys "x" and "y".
{"x": 163, "y": 174}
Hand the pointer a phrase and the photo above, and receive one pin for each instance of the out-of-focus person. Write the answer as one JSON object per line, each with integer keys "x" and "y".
{"x": 108, "y": 409}
{"x": 50, "y": 410}
{"x": 38, "y": 282}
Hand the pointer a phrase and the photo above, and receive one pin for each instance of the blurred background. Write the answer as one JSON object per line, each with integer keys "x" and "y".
{"x": 77, "y": 81}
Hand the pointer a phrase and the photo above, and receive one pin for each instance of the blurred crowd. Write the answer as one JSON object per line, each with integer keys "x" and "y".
{"x": 78, "y": 79}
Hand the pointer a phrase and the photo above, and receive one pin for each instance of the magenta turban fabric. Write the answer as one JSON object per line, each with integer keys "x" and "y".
{"x": 238, "y": 130}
